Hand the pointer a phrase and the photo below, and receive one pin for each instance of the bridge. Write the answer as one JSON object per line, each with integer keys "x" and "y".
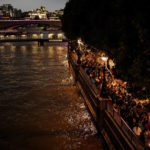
{"x": 10, "y": 23}
{"x": 53, "y": 36}
{"x": 39, "y": 40}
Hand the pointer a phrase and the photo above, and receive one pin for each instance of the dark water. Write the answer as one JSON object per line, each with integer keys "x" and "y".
{"x": 40, "y": 109}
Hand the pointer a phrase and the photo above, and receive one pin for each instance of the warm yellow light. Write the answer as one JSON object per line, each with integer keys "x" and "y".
{"x": 50, "y": 35}
{"x": 60, "y": 35}
{"x": 2, "y": 47}
{"x": 34, "y": 35}
{"x": 23, "y": 36}
{"x": 104, "y": 58}
{"x": 80, "y": 41}
{"x": 12, "y": 36}
{"x": 149, "y": 144}
{"x": 41, "y": 35}
{"x": 1, "y": 36}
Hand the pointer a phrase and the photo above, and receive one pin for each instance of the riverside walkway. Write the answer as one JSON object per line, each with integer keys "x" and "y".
{"x": 50, "y": 117}
{"x": 112, "y": 126}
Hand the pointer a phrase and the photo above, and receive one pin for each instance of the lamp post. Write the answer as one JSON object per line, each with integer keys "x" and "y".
{"x": 104, "y": 58}
{"x": 79, "y": 56}
{"x": 79, "y": 49}
{"x": 103, "y": 91}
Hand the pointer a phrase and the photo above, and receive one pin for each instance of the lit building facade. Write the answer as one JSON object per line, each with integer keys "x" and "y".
{"x": 38, "y": 13}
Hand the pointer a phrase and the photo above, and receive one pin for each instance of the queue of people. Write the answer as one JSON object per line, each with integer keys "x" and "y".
{"x": 122, "y": 101}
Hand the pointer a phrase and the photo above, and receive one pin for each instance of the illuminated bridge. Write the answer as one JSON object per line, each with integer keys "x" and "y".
{"x": 10, "y": 23}
{"x": 52, "y": 36}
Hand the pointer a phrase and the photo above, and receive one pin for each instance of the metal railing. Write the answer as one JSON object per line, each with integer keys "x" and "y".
{"x": 125, "y": 128}
{"x": 91, "y": 85}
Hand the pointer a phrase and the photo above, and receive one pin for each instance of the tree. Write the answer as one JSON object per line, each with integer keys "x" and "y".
{"x": 120, "y": 28}
{"x": 25, "y": 14}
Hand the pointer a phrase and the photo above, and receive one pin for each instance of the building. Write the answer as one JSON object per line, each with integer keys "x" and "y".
{"x": 39, "y": 13}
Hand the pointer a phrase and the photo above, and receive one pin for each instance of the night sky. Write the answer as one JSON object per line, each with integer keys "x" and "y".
{"x": 26, "y": 5}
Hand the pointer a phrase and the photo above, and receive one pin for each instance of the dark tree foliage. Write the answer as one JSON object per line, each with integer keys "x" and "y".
{"x": 119, "y": 27}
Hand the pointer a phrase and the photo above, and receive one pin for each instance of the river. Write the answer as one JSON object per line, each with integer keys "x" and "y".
{"x": 40, "y": 108}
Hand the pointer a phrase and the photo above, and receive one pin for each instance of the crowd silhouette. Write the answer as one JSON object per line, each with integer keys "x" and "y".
{"x": 128, "y": 108}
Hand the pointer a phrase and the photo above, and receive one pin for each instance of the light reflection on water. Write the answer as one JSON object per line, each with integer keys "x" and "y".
{"x": 40, "y": 109}
{"x": 27, "y": 67}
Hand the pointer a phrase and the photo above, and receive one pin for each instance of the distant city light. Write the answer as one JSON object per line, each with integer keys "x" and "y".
{"x": 41, "y": 35}
{"x": 60, "y": 35}
{"x": 34, "y": 35}
{"x": 50, "y": 35}
{"x": 1, "y": 36}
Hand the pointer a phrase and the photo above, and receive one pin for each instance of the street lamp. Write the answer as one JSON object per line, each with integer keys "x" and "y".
{"x": 80, "y": 43}
{"x": 106, "y": 61}
{"x": 79, "y": 51}
{"x": 104, "y": 58}
{"x": 103, "y": 91}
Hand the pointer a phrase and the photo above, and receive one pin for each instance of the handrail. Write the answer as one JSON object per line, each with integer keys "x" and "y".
{"x": 73, "y": 58}
{"x": 125, "y": 128}
{"x": 94, "y": 89}
{"x": 82, "y": 71}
